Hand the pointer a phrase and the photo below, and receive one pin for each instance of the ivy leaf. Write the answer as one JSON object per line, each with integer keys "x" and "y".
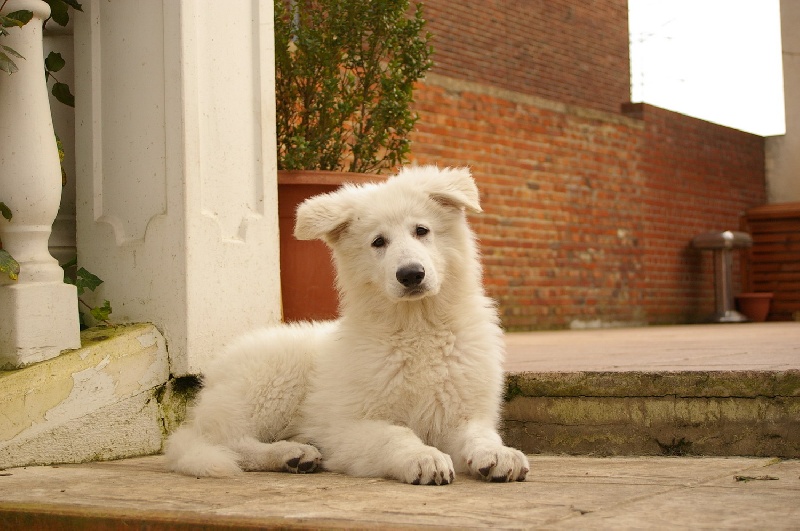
{"x": 8, "y": 265}
{"x": 62, "y": 93}
{"x": 101, "y": 312}
{"x": 7, "y": 64}
{"x": 59, "y": 12}
{"x": 5, "y": 211}
{"x": 16, "y": 18}
{"x": 73, "y": 4}
{"x": 54, "y": 62}
{"x": 85, "y": 280}
{"x": 12, "y": 51}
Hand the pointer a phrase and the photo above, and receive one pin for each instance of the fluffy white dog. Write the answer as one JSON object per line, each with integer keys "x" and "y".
{"x": 406, "y": 384}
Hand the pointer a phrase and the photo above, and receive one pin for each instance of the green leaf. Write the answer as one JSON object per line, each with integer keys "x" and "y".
{"x": 8, "y": 265}
{"x": 5, "y": 211}
{"x": 7, "y": 64}
{"x": 101, "y": 312}
{"x": 59, "y": 12}
{"x": 85, "y": 280}
{"x": 16, "y": 18}
{"x": 54, "y": 62}
{"x": 62, "y": 93}
{"x": 12, "y": 51}
{"x": 74, "y": 4}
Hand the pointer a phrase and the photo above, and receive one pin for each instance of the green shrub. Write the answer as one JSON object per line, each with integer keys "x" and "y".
{"x": 345, "y": 76}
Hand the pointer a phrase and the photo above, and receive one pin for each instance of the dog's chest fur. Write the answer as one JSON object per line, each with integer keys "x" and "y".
{"x": 420, "y": 381}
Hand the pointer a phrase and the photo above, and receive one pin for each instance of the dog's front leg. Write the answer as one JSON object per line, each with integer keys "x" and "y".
{"x": 478, "y": 449}
{"x": 378, "y": 449}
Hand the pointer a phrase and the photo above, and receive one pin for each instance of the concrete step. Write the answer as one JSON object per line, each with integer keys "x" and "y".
{"x": 724, "y": 390}
{"x": 107, "y": 400}
{"x": 723, "y": 413}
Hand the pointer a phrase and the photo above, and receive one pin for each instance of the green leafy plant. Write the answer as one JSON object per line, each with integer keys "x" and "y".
{"x": 8, "y": 266}
{"x": 84, "y": 280}
{"x": 345, "y": 76}
{"x": 61, "y": 91}
{"x": 59, "y": 13}
{"x": 7, "y": 53}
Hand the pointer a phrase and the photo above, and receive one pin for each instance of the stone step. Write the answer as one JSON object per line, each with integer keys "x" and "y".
{"x": 679, "y": 390}
{"x": 107, "y": 400}
{"x": 720, "y": 413}
{"x": 724, "y": 390}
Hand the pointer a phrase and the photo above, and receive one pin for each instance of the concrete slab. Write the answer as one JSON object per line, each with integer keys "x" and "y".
{"x": 561, "y": 492}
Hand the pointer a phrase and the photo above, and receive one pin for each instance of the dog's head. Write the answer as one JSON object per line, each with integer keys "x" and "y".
{"x": 399, "y": 237}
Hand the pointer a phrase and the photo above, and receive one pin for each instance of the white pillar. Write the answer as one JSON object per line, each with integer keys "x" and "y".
{"x": 175, "y": 151}
{"x": 783, "y": 152}
{"x": 38, "y": 312}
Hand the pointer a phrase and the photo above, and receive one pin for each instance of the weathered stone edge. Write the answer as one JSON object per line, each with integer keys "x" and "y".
{"x": 705, "y": 384}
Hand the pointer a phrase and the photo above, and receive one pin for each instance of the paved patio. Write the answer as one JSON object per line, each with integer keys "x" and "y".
{"x": 708, "y": 347}
{"x": 560, "y": 493}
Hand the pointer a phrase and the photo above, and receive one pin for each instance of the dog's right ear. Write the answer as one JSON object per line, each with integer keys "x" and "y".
{"x": 322, "y": 217}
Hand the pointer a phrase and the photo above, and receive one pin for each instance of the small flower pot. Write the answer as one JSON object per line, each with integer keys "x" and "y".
{"x": 755, "y": 306}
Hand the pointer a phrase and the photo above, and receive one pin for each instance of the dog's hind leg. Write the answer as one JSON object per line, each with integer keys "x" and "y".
{"x": 188, "y": 452}
{"x": 280, "y": 456}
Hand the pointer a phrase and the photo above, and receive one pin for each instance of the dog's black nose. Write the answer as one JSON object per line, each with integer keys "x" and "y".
{"x": 411, "y": 275}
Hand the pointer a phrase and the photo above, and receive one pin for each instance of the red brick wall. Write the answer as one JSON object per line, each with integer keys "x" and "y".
{"x": 589, "y": 214}
{"x": 698, "y": 177}
{"x": 568, "y": 51}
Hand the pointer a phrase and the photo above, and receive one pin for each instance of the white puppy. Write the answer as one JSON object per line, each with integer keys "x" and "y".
{"x": 406, "y": 384}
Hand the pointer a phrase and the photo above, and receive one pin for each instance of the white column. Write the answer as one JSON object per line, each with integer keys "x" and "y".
{"x": 175, "y": 151}
{"x": 783, "y": 152}
{"x": 38, "y": 312}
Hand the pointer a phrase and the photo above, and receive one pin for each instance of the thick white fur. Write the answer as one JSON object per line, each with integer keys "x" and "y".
{"x": 406, "y": 384}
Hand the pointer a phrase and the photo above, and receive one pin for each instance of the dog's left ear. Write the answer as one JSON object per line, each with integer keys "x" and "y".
{"x": 322, "y": 217}
{"x": 455, "y": 187}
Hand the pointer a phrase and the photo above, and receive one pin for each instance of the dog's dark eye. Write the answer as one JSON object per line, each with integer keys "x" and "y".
{"x": 422, "y": 231}
{"x": 378, "y": 242}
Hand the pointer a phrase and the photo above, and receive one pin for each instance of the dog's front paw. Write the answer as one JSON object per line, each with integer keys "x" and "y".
{"x": 501, "y": 464}
{"x": 301, "y": 459}
{"x": 429, "y": 467}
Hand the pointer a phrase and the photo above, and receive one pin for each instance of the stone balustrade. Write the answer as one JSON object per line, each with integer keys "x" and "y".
{"x": 38, "y": 312}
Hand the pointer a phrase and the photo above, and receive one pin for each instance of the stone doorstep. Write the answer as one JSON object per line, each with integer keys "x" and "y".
{"x": 716, "y": 413}
{"x": 102, "y": 401}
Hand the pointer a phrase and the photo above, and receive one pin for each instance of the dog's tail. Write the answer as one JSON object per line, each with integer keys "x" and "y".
{"x": 188, "y": 452}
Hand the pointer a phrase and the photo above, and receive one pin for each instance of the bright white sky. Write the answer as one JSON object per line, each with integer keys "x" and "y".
{"x": 719, "y": 60}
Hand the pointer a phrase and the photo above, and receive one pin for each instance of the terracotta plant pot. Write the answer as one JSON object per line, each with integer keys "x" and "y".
{"x": 307, "y": 277}
{"x": 755, "y": 306}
